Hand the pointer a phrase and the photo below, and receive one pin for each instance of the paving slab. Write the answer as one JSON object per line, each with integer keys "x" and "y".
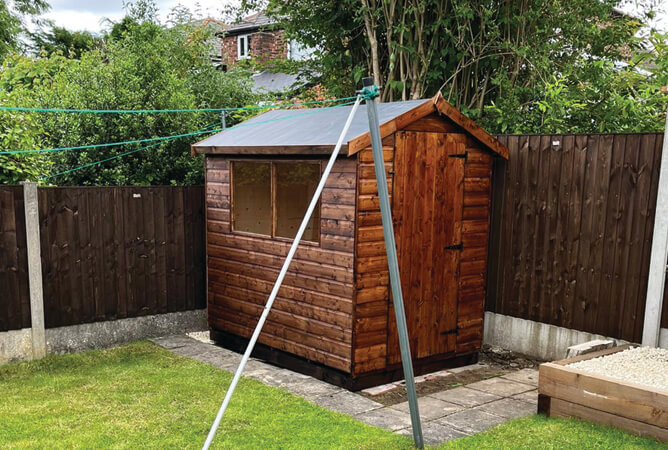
{"x": 508, "y": 408}
{"x": 347, "y": 402}
{"x": 527, "y": 376}
{"x": 388, "y": 418}
{"x": 476, "y": 366}
{"x": 276, "y": 376}
{"x": 465, "y": 397}
{"x": 219, "y": 359}
{"x": 192, "y": 349}
{"x": 530, "y": 397}
{"x": 500, "y": 386}
{"x": 311, "y": 388}
{"x": 430, "y": 408}
{"x": 172, "y": 342}
{"x": 435, "y": 433}
{"x": 472, "y": 420}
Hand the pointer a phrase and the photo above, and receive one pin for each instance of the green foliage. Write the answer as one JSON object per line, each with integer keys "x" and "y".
{"x": 536, "y": 66}
{"x": 11, "y": 22}
{"x": 68, "y": 43}
{"x": 144, "y": 65}
{"x": 594, "y": 96}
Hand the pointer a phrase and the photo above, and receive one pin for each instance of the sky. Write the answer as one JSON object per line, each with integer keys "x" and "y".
{"x": 89, "y": 15}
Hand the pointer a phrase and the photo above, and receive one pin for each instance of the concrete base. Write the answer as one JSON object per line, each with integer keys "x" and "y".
{"x": 17, "y": 345}
{"x": 663, "y": 338}
{"x": 535, "y": 339}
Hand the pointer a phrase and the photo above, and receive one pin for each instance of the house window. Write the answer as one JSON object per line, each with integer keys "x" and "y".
{"x": 243, "y": 46}
{"x": 271, "y": 198}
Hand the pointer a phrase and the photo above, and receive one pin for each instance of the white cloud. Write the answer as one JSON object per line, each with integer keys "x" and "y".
{"x": 81, "y": 20}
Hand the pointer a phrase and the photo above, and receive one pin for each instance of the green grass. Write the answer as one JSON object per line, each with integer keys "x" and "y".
{"x": 539, "y": 432}
{"x": 140, "y": 396}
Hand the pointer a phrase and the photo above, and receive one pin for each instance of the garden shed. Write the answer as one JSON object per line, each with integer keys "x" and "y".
{"x": 334, "y": 317}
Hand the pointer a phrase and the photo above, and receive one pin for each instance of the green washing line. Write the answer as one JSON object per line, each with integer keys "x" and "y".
{"x": 171, "y": 138}
{"x": 139, "y": 141}
{"x": 94, "y": 163}
{"x": 160, "y": 111}
{"x": 110, "y": 144}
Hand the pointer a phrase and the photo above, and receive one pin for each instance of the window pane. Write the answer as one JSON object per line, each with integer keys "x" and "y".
{"x": 251, "y": 200}
{"x": 295, "y": 186}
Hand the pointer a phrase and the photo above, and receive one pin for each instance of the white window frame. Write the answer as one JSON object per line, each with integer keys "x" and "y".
{"x": 243, "y": 38}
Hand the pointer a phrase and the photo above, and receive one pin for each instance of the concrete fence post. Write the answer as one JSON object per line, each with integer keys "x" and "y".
{"x": 659, "y": 255}
{"x": 30, "y": 201}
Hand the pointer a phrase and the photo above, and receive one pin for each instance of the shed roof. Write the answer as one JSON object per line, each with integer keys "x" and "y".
{"x": 315, "y": 131}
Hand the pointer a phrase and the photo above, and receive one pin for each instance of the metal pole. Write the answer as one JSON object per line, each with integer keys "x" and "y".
{"x": 281, "y": 275}
{"x": 659, "y": 256}
{"x": 223, "y": 120}
{"x": 390, "y": 246}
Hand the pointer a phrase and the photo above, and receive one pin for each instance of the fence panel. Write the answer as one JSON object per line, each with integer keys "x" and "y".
{"x": 118, "y": 252}
{"x": 575, "y": 217}
{"x": 14, "y": 294}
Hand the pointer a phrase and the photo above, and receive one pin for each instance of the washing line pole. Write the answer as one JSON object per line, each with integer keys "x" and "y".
{"x": 371, "y": 92}
{"x": 281, "y": 275}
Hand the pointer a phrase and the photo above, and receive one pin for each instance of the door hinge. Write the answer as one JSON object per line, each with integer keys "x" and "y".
{"x": 454, "y": 247}
{"x": 464, "y": 156}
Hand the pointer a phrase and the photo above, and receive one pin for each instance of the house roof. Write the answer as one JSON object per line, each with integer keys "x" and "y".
{"x": 267, "y": 81}
{"x": 250, "y": 23}
{"x": 316, "y": 131}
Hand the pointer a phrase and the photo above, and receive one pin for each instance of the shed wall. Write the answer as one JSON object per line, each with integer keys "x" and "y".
{"x": 313, "y": 313}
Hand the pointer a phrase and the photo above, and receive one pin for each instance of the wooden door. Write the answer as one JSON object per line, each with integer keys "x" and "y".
{"x": 427, "y": 209}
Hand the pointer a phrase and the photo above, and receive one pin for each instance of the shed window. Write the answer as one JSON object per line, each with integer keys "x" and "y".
{"x": 272, "y": 198}
{"x": 252, "y": 197}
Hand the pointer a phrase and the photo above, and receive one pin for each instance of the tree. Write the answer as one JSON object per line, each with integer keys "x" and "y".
{"x": 11, "y": 22}
{"x": 145, "y": 66}
{"x": 479, "y": 53}
{"x": 69, "y": 43}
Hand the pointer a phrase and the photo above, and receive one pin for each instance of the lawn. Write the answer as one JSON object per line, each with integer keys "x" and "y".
{"x": 140, "y": 396}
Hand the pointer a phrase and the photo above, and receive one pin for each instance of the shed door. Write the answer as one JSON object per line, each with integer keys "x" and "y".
{"x": 427, "y": 209}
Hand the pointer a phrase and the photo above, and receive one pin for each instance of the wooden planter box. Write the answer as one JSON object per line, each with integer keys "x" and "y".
{"x": 568, "y": 392}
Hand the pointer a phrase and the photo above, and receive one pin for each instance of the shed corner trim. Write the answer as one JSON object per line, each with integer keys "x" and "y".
{"x": 445, "y": 108}
{"x": 363, "y": 141}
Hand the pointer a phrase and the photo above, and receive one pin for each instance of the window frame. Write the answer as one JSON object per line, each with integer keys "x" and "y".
{"x": 272, "y": 202}
{"x": 246, "y": 46}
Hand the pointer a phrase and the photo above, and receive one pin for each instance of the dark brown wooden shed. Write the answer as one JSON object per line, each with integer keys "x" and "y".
{"x": 333, "y": 316}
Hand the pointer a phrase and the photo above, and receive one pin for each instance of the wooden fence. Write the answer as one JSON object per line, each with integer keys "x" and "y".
{"x": 573, "y": 222}
{"x": 107, "y": 253}
{"x": 572, "y": 226}
{"x": 14, "y": 297}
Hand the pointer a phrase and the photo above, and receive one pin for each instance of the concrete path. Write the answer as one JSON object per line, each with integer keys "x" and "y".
{"x": 446, "y": 415}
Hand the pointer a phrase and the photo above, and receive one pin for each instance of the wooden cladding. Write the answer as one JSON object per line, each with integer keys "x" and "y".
{"x": 117, "y": 252}
{"x": 438, "y": 201}
{"x": 15, "y": 298}
{"x": 312, "y": 316}
{"x": 573, "y": 231}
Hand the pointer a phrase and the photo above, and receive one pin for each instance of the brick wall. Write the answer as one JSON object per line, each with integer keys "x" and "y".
{"x": 264, "y": 45}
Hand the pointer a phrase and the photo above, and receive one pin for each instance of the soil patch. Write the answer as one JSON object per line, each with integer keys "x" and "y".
{"x": 493, "y": 362}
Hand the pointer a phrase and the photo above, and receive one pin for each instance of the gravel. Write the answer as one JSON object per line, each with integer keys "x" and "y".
{"x": 641, "y": 365}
